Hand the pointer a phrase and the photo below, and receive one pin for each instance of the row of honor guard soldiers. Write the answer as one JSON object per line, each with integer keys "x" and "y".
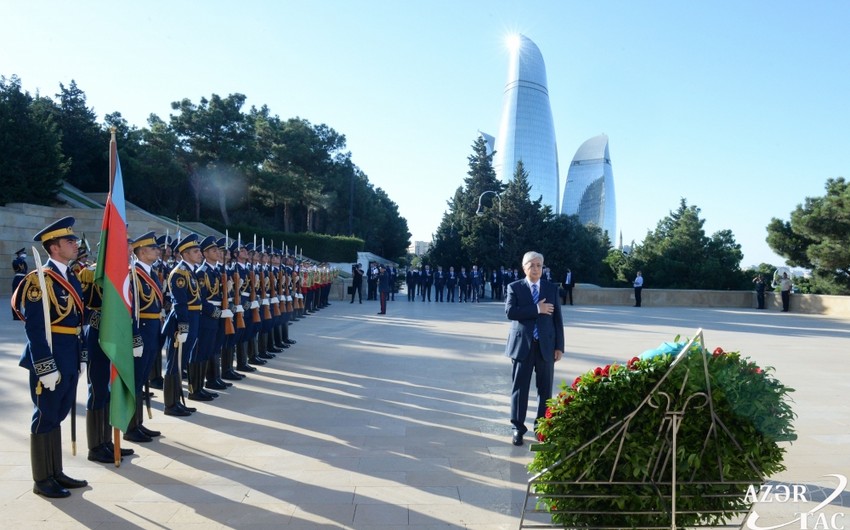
{"x": 204, "y": 312}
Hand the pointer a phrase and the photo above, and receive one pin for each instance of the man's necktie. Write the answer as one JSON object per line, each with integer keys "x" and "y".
{"x": 535, "y": 295}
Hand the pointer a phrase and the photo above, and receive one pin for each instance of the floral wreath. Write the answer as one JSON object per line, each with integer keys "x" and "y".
{"x": 596, "y": 469}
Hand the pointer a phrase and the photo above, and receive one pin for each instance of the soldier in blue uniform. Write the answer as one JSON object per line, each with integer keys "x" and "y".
{"x": 228, "y": 345}
{"x": 148, "y": 294}
{"x": 241, "y": 303}
{"x": 161, "y": 269}
{"x": 20, "y": 268}
{"x": 211, "y": 333}
{"x": 181, "y": 325}
{"x": 54, "y": 354}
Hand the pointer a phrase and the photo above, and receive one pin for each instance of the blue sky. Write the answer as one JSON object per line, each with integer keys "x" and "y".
{"x": 739, "y": 107}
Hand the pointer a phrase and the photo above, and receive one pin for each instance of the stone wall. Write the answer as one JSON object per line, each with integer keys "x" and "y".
{"x": 800, "y": 303}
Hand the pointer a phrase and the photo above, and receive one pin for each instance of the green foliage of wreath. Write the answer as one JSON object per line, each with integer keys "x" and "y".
{"x": 610, "y": 481}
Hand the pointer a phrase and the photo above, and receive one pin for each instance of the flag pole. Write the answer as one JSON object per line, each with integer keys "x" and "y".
{"x": 113, "y": 149}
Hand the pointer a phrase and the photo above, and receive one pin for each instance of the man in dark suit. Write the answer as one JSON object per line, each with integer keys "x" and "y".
{"x": 535, "y": 340}
{"x": 569, "y": 283}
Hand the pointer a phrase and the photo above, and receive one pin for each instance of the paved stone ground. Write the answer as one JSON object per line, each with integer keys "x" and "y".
{"x": 399, "y": 421}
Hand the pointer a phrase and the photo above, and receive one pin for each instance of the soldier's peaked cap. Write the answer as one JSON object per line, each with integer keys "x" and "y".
{"x": 208, "y": 243}
{"x": 190, "y": 241}
{"x": 61, "y": 228}
{"x": 145, "y": 240}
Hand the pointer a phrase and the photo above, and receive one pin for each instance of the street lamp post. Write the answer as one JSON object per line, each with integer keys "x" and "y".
{"x": 480, "y": 211}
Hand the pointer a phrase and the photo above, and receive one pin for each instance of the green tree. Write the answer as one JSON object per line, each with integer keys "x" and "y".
{"x": 84, "y": 143}
{"x": 30, "y": 147}
{"x": 464, "y": 238}
{"x": 678, "y": 255}
{"x": 818, "y": 237}
{"x": 216, "y": 143}
{"x": 153, "y": 178}
{"x": 568, "y": 244}
{"x": 523, "y": 220}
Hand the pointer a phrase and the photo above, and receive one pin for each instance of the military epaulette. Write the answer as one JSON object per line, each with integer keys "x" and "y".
{"x": 86, "y": 275}
{"x": 178, "y": 271}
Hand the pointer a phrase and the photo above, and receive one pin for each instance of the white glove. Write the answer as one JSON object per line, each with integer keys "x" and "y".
{"x": 181, "y": 337}
{"x": 83, "y": 367}
{"x": 50, "y": 380}
{"x": 255, "y": 305}
{"x": 226, "y": 313}
{"x": 275, "y": 300}
{"x": 239, "y": 309}
{"x": 137, "y": 351}
{"x": 163, "y": 315}
{"x": 288, "y": 298}
{"x": 265, "y": 301}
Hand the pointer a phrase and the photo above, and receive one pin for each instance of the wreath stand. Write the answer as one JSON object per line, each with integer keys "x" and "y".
{"x": 668, "y": 490}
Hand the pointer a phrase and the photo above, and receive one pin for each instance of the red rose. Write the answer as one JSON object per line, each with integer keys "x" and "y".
{"x": 548, "y": 412}
{"x": 540, "y": 437}
{"x": 598, "y": 371}
{"x": 567, "y": 399}
{"x": 718, "y": 351}
{"x": 576, "y": 382}
{"x": 606, "y": 370}
{"x": 757, "y": 370}
{"x": 632, "y": 362}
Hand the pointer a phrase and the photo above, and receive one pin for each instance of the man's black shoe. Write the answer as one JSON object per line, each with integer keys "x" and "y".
{"x": 516, "y": 438}
{"x": 289, "y": 341}
{"x": 245, "y": 368}
{"x": 150, "y": 432}
{"x": 50, "y": 488}
{"x": 101, "y": 454}
{"x": 156, "y": 383}
{"x": 176, "y": 411}
{"x": 67, "y": 482}
{"x": 137, "y": 436}
{"x": 110, "y": 448}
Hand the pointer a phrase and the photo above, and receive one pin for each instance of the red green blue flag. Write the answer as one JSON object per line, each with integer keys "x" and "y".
{"x": 113, "y": 277}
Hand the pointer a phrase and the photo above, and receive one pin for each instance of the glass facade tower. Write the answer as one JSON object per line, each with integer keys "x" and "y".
{"x": 589, "y": 191}
{"x": 526, "y": 130}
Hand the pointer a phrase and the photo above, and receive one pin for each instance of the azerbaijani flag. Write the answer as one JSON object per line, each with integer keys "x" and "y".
{"x": 113, "y": 277}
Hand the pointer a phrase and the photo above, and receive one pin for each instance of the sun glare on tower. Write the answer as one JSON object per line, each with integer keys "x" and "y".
{"x": 513, "y": 42}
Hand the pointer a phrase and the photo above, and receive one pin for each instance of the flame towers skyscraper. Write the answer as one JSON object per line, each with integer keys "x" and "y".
{"x": 526, "y": 130}
{"x": 589, "y": 192}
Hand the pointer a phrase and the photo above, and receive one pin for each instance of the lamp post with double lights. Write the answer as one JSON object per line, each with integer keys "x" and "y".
{"x": 480, "y": 211}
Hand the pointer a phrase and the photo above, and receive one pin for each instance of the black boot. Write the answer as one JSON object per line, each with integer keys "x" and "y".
{"x": 155, "y": 377}
{"x": 272, "y": 346}
{"x": 140, "y": 417}
{"x": 108, "y": 433}
{"x": 94, "y": 436}
{"x": 263, "y": 350}
{"x": 227, "y": 371}
{"x": 217, "y": 367}
{"x": 196, "y": 383}
{"x": 134, "y": 434}
{"x": 171, "y": 400}
{"x": 277, "y": 335}
{"x": 242, "y": 358}
{"x": 286, "y": 338}
{"x": 41, "y": 461}
{"x": 212, "y": 373}
{"x": 253, "y": 359}
{"x": 56, "y": 455}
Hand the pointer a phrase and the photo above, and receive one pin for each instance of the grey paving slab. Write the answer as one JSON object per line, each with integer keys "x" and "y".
{"x": 397, "y": 421}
